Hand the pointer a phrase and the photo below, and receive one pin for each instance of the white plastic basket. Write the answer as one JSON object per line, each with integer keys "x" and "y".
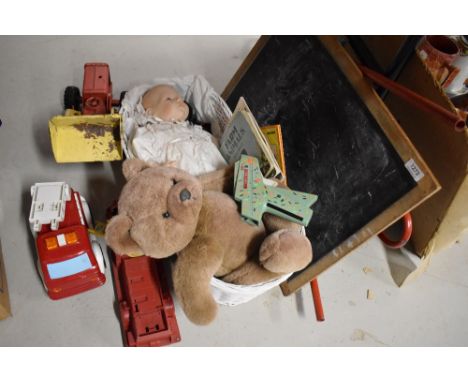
{"x": 232, "y": 294}
{"x": 209, "y": 108}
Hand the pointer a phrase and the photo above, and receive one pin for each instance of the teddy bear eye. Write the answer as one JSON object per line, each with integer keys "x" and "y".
{"x": 166, "y": 215}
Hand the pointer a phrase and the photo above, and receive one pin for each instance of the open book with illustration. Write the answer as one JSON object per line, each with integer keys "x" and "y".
{"x": 243, "y": 136}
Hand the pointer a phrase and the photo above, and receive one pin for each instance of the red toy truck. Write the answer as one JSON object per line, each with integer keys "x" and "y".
{"x": 70, "y": 259}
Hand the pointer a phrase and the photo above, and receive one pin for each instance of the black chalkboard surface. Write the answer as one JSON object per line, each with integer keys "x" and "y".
{"x": 333, "y": 145}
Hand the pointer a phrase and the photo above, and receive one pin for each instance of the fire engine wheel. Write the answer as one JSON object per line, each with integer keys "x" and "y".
{"x": 72, "y": 98}
{"x": 99, "y": 255}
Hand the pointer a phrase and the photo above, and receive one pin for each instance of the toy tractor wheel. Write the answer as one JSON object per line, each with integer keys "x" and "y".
{"x": 72, "y": 98}
{"x": 122, "y": 96}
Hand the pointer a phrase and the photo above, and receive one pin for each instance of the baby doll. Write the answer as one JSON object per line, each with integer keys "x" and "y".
{"x": 167, "y": 135}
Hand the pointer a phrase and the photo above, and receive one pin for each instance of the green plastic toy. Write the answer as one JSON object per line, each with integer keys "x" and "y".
{"x": 256, "y": 197}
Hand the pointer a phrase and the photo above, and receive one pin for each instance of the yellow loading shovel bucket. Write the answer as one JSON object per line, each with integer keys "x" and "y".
{"x": 86, "y": 138}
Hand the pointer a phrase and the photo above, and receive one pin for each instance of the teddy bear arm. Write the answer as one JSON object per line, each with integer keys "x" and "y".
{"x": 193, "y": 271}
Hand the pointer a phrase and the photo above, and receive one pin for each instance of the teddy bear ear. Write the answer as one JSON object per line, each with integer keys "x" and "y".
{"x": 132, "y": 167}
{"x": 118, "y": 237}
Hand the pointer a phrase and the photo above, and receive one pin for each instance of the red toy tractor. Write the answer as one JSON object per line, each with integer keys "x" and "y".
{"x": 97, "y": 91}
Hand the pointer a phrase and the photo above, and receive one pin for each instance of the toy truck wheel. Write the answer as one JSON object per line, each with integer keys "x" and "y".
{"x": 72, "y": 98}
{"x": 87, "y": 213}
{"x": 99, "y": 256}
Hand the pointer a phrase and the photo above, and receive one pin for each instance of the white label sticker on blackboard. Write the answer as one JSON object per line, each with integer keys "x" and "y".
{"x": 414, "y": 170}
{"x": 423, "y": 55}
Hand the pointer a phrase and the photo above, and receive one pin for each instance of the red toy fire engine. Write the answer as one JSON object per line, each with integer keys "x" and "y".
{"x": 147, "y": 315}
{"x": 70, "y": 259}
{"x": 145, "y": 305}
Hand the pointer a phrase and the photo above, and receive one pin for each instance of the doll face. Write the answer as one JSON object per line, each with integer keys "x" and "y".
{"x": 164, "y": 102}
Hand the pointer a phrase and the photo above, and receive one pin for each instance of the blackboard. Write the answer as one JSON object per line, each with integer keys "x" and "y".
{"x": 333, "y": 145}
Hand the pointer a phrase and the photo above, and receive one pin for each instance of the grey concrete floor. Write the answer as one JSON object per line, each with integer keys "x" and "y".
{"x": 432, "y": 310}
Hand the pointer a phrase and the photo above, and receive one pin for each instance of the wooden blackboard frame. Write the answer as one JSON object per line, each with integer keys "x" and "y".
{"x": 425, "y": 187}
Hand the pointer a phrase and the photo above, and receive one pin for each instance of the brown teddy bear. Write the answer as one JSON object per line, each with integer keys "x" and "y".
{"x": 163, "y": 210}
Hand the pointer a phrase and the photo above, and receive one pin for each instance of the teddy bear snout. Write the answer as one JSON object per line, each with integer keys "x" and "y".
{"x": 185, "y": 192}
{"x": 184, "y": 201}
{"x": 185, "y": 195}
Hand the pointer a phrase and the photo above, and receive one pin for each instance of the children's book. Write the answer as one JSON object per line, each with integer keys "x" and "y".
{"x": 243, "y": 136}
{"x": 275, "y": 139}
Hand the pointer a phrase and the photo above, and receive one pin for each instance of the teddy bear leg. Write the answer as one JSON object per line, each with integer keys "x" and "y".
{"x": 250, "y": 273}
{"x": 192, "y": 273}
{"x": 282, "y": 252}
{"x": 285, "y": 251}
